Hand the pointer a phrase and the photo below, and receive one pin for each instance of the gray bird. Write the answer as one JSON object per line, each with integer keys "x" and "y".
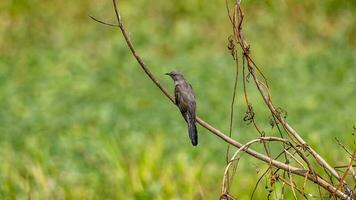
{"x": 185, "y": 100}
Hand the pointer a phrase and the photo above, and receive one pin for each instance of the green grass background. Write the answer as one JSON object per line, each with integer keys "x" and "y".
{"x": 80, "y": 120}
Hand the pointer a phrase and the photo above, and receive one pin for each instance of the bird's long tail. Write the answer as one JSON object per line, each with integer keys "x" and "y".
{"x": 192, "y": 130}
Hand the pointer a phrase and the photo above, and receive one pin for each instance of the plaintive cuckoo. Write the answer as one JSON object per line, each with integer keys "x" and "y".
{"x": 185, "y": 100}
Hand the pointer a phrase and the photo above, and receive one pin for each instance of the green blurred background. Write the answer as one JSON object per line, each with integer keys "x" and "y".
{"x": 80, "y": 120}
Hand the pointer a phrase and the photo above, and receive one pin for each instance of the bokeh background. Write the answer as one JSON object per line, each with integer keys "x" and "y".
{"x": 79, "y": 120}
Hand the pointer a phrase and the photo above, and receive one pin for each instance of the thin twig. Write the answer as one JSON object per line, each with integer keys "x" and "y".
{"x": 343, "y": 146}
{"x": 344, "y": 166}
{"x": 243, "y": 148}
{"x": 291, "y": 184}
{"x": 294, "y": 158}
{"x": 264, "y": 173}
{"x": 345, "y": 174}
{"x": 232, "y": 107}
{"x": 102, "y": 22}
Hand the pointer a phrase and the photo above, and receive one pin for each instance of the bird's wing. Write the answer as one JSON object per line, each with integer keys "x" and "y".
{"x": 176, "y": 95}
{"x": 180, "y": 101}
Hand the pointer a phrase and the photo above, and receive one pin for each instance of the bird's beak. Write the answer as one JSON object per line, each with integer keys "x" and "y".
{"x": 169, "y": 74}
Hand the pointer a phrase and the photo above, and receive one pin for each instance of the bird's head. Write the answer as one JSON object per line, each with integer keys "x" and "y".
{"x": 176, "y": 76}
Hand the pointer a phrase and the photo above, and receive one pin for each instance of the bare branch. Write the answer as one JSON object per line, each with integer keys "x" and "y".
{"x": 231, "y": 47}
{"x": 345, "y": 174}
{"x": 343, "y": 146}
{"x": 287, "y": 167}
{"x": 291, "y": 184}
{"x": 266, "y": 97}
{"x": 102, "y": 22}
{"x": 244, "y": 148}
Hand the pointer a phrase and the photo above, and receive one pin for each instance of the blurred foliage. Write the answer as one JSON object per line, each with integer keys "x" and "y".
{"x": 79, "y": 120}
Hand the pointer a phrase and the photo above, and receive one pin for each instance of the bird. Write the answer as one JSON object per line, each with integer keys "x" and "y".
{"x": 185, "y": 100}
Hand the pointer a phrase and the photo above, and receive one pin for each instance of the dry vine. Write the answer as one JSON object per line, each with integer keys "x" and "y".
{"x": 295, "y": 149}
